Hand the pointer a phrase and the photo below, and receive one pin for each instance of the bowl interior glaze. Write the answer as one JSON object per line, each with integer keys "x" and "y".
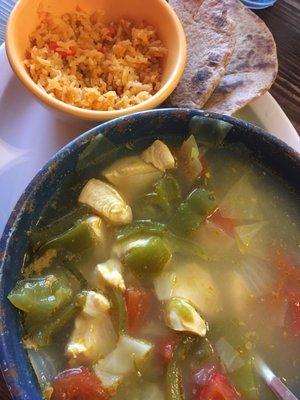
{"x": 273, "y": 153}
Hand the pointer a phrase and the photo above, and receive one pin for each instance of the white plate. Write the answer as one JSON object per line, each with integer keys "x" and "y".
{"x": 30, "y": 135}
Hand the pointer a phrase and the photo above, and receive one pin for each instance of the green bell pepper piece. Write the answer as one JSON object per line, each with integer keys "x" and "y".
{"x": 147, "y": 258}
{"x": 185, "y": 219}
{"x": 209, "y": 132}
{"x": 43, "y": 335}
{"x": 43, "y": 295}
{"x": 191, "y": 212}
{"x": 82, "y": 236}
{"x": 168, "y": 188}
{"x": 201, "y": 201}
{"x": 159, "y": 204}
{"x": 44, "y": 234}
{"x": 151, "y": 206}
{"x": 142, "y": 227}
{"x": 99, "y": 151}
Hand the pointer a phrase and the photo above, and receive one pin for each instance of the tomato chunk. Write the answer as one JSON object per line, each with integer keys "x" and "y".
{"x": 165, "y": 348}
{"x": 218, "y": 388}
{"x": 225, "y": 223}
{"x": 78, "y": 384}
{"x": 138, "y": 304}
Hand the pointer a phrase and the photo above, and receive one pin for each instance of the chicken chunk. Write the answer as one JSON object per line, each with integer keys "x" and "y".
{"x": 181, "y": 315}
{"x": 93, "y": 335}
{"x": 106, "y": 201}
{"x": 132, "y": 176}
{"x": 159, "y": 155}
{"x": 189, "y": 159}
{"x": 109, "y": 273}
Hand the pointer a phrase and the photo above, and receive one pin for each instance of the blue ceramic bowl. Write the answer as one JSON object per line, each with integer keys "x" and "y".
{"x": 14, "y": 363}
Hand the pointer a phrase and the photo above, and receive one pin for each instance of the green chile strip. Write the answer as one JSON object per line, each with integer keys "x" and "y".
{"x": 44, "y": 234}
{"x": 121, "y": 312}
{"x": 42, "y": 337}
{"x": 141, "y": 227}
{"x": 78, "y": 275}
{"x": 174, "y": 382}
{"x": 76, "y": 239}
{"x": 168, "y": 188}
{"x": 192, "y": 211}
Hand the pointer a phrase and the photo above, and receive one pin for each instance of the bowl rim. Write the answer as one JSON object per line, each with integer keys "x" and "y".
{"x": 7, "y": 364}
{"x": 95, "y": 115}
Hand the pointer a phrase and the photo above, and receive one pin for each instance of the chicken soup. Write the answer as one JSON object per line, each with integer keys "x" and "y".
{"x": 161, "y": 270}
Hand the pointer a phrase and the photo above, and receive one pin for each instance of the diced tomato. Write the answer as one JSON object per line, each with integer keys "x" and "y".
{"x": 165, "y": 348}
{"x": 138, "y": 303}
{"x": 54, "y": 46}
{"x": 225, "y": 223}
{"x": 78, "y": 384}
{"x": 218, "y": 388}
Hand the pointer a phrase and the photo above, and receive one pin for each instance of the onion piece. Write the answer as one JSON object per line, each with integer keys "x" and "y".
{"x": 241, "y": 193}
{"x": 128, "y": 354}
{"x": 252, "y": 279}
{"x": 46, "y": 363}
{"x": 132, "y": 176}
{"x": 259, "y": 276}
{"x": 228, "y": 355}
{"x": 245, "y": 235}
{"x": 188, "y": 159}
{"x": 192, "y": 283}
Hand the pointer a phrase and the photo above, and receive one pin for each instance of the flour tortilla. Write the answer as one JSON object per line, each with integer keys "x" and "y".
{"x": 253, "y": 67}
{"x": 211, "y": 39}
